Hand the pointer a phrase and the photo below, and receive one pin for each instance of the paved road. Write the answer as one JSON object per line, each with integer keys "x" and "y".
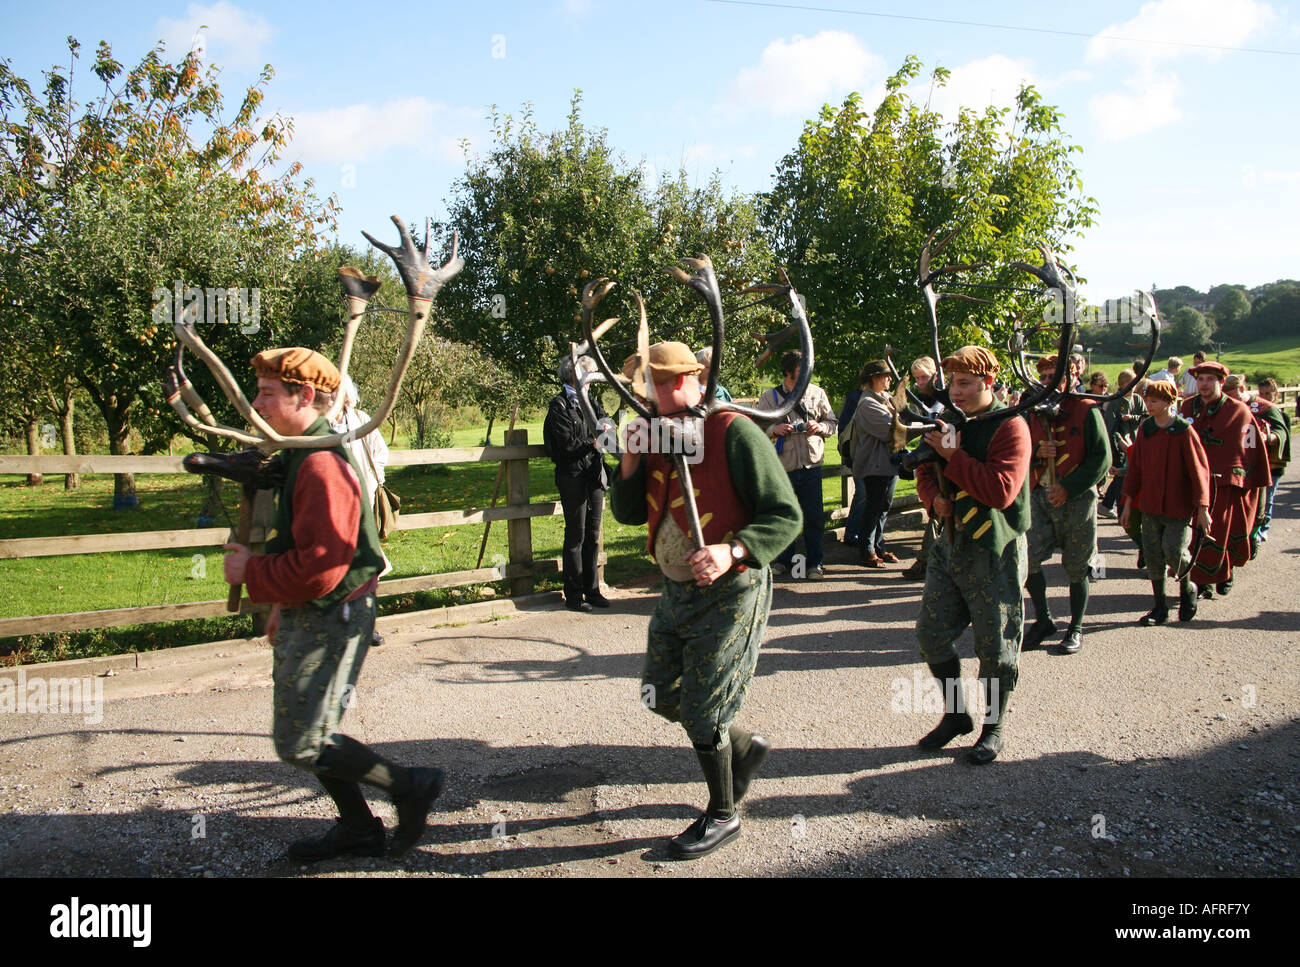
{"x": 1154, "y": 751}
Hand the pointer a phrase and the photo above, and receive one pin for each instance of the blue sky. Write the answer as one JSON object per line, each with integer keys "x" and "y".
{"x": 1193, "y": 153}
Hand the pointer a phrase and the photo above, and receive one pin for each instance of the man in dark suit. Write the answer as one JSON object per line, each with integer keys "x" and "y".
{"x": 581, "y": 478}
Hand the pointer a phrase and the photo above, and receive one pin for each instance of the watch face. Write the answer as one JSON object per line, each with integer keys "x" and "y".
{"x": 736, "y": 552}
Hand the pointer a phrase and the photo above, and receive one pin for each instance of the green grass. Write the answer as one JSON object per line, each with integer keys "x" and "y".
{"x": 91, "y": 582}
{"x": 1279, "y": 356}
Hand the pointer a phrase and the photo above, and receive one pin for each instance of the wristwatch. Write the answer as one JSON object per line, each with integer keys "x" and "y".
{"x": 737, "y": 550}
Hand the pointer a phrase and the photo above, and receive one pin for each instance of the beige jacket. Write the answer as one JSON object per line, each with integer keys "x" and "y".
{"x": 803, "y": 449}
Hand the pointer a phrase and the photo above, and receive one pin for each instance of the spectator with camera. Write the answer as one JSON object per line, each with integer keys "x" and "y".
{"x": 801, "y": 447}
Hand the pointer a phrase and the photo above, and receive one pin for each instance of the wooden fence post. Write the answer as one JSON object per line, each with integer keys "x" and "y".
{"x": 520, "y": 531}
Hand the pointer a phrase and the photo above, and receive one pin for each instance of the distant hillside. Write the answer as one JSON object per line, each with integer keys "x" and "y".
{"x": 1279, "y": 357}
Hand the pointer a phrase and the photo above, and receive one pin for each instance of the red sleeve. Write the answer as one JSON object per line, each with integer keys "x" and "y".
{"x": 1198, "y": 470}
{"x": 326, "y": 524}
{"x": 997, "y": 481}
{"x": 1133, "y": 467}
{"x": 927, "y": 488}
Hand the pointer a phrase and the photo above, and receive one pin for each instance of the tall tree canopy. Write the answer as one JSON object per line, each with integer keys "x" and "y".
{"x": 545, "y": 213}
{"x": 104, "y": 204}
{"x": 855, "y": 200}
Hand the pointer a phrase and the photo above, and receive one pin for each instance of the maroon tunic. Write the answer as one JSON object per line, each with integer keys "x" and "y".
{"x": 1068, "y": 432}
{"x": 1239, "y": 467}
{"x": 1168, "y": 471}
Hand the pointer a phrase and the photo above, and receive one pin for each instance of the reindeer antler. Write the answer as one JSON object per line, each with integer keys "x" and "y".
{"x": 422, "y": 286}
{"x": 926, "y": 277}
{"x": 704, "y": 282}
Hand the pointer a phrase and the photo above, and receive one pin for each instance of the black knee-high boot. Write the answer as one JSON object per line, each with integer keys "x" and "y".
{"x": 1160, "y": 613}
{"x": 991, "y": 740}
{"x": 1186, "y": 600}
{"x": 719, "y": 824}
{"x": 747, "y": 753}
{"x": 413, "y": 790}
{"x": 955, "y": 719}
{"x": 1079, "y": 603}
{"x": 1036, "y": 585}
{"x": 346, "y": 758}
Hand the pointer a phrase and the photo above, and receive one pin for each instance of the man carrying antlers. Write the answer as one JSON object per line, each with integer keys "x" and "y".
{"x": 709, "y": 623}
{"x": 976, "y": 569}
{"x": 320, "y": 571}
{"x": 1071, "y": 456}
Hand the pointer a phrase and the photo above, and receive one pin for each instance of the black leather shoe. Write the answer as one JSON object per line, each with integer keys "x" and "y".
{"x": 1156, "y": 616}
{"x": 916, "y": 572}
{"x": 597, "y": 600}
{"x": 705, "y": 835}
{"x": 413, "y": 808}
{"x": 1206, "y": 593}
{"x": 577, "y": 605}
{"x": 376, "y": 639}
{"x": 1223, "y": 588}
{"x": 744, "y": 767}
{"x": 341, "y": 841}
{"x": 1036, "y": 633}
{"x": 1071, "y": 643}
{"x": 950, "y": 726}
{"x": 1186, "y": 605}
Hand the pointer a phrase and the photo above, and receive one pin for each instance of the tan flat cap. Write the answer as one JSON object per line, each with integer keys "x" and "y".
{"x": 297, "y": 365}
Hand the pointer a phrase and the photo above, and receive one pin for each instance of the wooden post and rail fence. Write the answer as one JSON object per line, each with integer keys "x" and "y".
{"x": 521, "y": 569}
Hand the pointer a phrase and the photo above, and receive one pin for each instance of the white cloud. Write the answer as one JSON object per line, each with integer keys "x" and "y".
{"x": 1149, "y": 100}
{"x": 1221, "y": 23}
{"x": 800, "y": 75}
{"x": 224, "y": 34}
{"x": 1148, "y": 103}
{"x": 362, "y": 132}
{"x": 992, "y": 80}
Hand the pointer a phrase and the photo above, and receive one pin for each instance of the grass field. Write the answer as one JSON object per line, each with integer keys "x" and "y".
{"x": 58, "y": 585}
{"x": 1280, "y": 356}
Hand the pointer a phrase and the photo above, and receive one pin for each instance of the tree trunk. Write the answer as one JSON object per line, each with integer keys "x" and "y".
{"x": 487, "y": 437}
{"x": 34, "y": 450}
{"x": 71, "y": 481}
{"x": 124, "y": 497}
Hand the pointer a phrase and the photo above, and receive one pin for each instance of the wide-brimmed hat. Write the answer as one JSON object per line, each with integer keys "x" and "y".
{"x": 877, "y": 367}
{"x": 668, "y": 360}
